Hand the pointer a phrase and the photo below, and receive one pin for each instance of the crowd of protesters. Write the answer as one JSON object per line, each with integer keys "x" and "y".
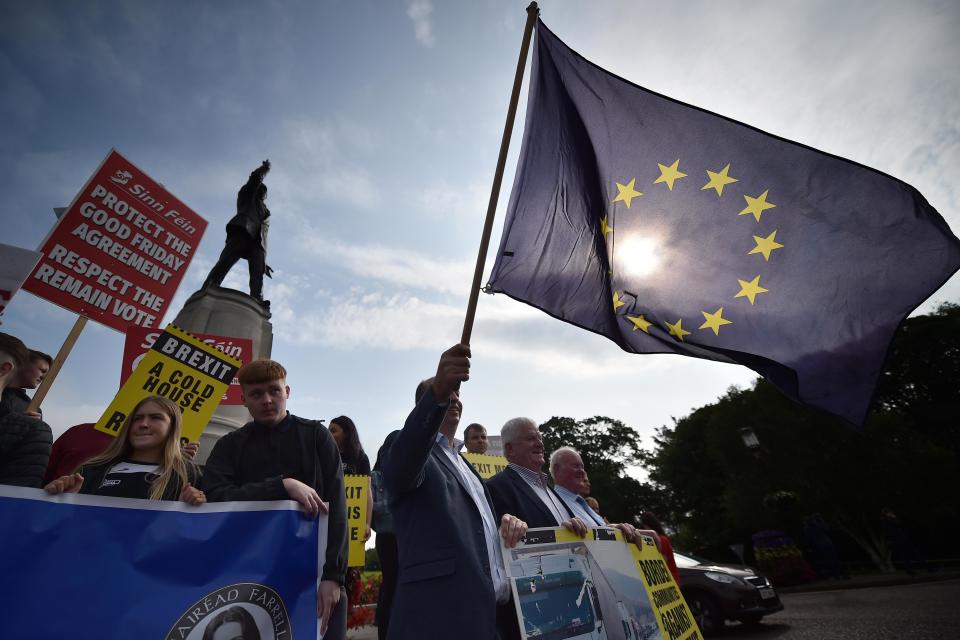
{"x": 437, "y": 522}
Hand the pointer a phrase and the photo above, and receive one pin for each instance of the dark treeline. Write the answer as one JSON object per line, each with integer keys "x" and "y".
{"x": 714, "y": 491}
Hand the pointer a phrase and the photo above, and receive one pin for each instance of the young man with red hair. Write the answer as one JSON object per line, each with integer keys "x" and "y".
{"x": 280, "y": 456}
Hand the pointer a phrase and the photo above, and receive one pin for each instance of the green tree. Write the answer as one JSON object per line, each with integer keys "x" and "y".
{"x": 906, "y": 458}
{"x": 371, "y": 560}
{"x": 922, "y": 379}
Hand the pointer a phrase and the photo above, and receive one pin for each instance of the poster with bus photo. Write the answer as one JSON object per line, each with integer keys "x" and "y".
{"x": 594, "y": 588}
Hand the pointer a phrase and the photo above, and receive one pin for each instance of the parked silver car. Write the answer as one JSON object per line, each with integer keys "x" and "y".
{"x": 720, "y": 592}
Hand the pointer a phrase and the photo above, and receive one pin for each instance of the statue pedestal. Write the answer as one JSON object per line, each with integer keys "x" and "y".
{"x": 226, "y": 312}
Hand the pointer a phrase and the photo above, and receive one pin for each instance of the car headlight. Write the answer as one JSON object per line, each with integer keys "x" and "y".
{"x": 723, "y": 577}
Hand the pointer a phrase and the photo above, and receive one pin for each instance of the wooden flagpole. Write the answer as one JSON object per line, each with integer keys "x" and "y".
{"x": 41, "y": 392}
{"x": 533, "y": 11}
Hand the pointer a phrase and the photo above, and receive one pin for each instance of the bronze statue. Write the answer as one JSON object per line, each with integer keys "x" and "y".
{"x": 247, "y": 236}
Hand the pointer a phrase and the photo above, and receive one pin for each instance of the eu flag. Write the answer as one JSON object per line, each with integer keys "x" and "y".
{"x": 667, "y": 228}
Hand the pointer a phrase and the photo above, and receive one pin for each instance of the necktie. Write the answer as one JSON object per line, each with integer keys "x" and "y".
{"x": 590, "y": 512}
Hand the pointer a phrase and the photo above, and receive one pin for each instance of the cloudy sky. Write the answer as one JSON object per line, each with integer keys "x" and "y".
{"x": 383, "y": 123}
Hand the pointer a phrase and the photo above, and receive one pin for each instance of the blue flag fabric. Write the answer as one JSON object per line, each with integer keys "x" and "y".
{"x": 90, "y": 567}
{"x": 667, "y": 228}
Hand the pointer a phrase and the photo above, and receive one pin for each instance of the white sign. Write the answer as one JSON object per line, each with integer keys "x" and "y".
{"x": 15, "y": 265}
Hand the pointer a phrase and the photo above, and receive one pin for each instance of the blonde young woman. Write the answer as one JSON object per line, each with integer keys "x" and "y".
{"x": 144, "y": 460}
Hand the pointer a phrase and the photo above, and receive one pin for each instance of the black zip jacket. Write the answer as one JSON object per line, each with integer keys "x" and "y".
{"x": 25, "y": 444}
{"x": 224, "y": 480}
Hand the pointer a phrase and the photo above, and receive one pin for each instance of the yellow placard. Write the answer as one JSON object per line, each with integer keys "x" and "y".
{"x": 486, "y": 466}
{"x": 191, "y": 373}
{"x": 670, "y": 609}
{"x": 357, "y": 489}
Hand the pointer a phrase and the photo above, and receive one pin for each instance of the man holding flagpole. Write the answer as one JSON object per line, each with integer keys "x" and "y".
{"x": 451, "y": 568}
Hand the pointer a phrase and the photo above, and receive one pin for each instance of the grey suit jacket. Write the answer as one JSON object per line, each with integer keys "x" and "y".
{"x": 444, "y": 587}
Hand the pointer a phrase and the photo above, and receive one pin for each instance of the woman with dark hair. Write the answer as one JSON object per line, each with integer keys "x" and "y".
{"x": 144, "y": 460}
{"x": 650, "y": 521}
{"x": 234, "y": 623}
{"x": 355, "y": 462}
{"x": 344, "y": 432}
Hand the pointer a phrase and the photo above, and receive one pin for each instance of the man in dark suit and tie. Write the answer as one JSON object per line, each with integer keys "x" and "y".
{"x": 570, "y": 478}
{"x": 522, "y": 489}
{"x": 451, "y": 568}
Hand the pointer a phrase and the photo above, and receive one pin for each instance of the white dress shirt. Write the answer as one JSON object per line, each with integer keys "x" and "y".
{"x": 538, "y": 482}
{"x": 579, "y": 507}
{"x": 491, "y": 532}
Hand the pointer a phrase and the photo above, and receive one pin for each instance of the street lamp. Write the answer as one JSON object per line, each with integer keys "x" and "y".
{"x": 750, "y": 439}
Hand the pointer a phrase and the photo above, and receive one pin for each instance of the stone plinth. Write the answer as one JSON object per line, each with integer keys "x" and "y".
{"x": 226, "y": 312}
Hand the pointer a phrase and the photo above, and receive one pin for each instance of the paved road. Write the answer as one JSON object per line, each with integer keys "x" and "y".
{"x": 928, "y": 611}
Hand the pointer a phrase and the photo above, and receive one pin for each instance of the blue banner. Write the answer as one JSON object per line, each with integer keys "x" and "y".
{"x": 90, "y": 567}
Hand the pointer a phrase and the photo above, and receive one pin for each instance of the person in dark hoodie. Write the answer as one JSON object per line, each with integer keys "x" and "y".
{"x": 29, "y": 376}
{"x": 280, "y": 456}
{"x": 386, "y": 541}
{"x": 25, "y": 440}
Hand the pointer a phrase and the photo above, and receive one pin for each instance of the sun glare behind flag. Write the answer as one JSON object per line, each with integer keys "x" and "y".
{"x": 667, "y": 228}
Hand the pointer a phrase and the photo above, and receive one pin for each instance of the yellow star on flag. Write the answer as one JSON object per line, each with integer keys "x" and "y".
{"x": 757, "y": 205}
{"x": 627, "y": 192}
{"x": 718, "y": 180}
{"x": 766, "y": 245}
{"x": 604, "y": 227}
{"x": 617, "y": 300}
{"x": 670, "y": 174}
{"x": 677, "y": 330}
{"x": 750, "y": 290}
{"x": 639, "y": 322}
{"x": 714, "y": 320}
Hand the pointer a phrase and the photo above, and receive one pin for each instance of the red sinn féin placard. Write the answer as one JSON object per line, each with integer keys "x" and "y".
{"x": 119, "y": 252}
{"x": 139, "y": 341}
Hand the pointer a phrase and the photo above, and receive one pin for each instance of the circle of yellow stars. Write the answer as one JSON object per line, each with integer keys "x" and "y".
{"x": 764, "y": 246}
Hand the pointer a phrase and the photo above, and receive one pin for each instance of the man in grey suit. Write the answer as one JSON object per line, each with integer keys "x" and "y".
{"x": 451, "y": 569}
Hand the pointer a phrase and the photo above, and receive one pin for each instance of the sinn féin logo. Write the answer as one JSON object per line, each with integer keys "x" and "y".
{"x": 647, "y": 540}
{"x": 121, "y": 176}
{"x": 242, "y": 611}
